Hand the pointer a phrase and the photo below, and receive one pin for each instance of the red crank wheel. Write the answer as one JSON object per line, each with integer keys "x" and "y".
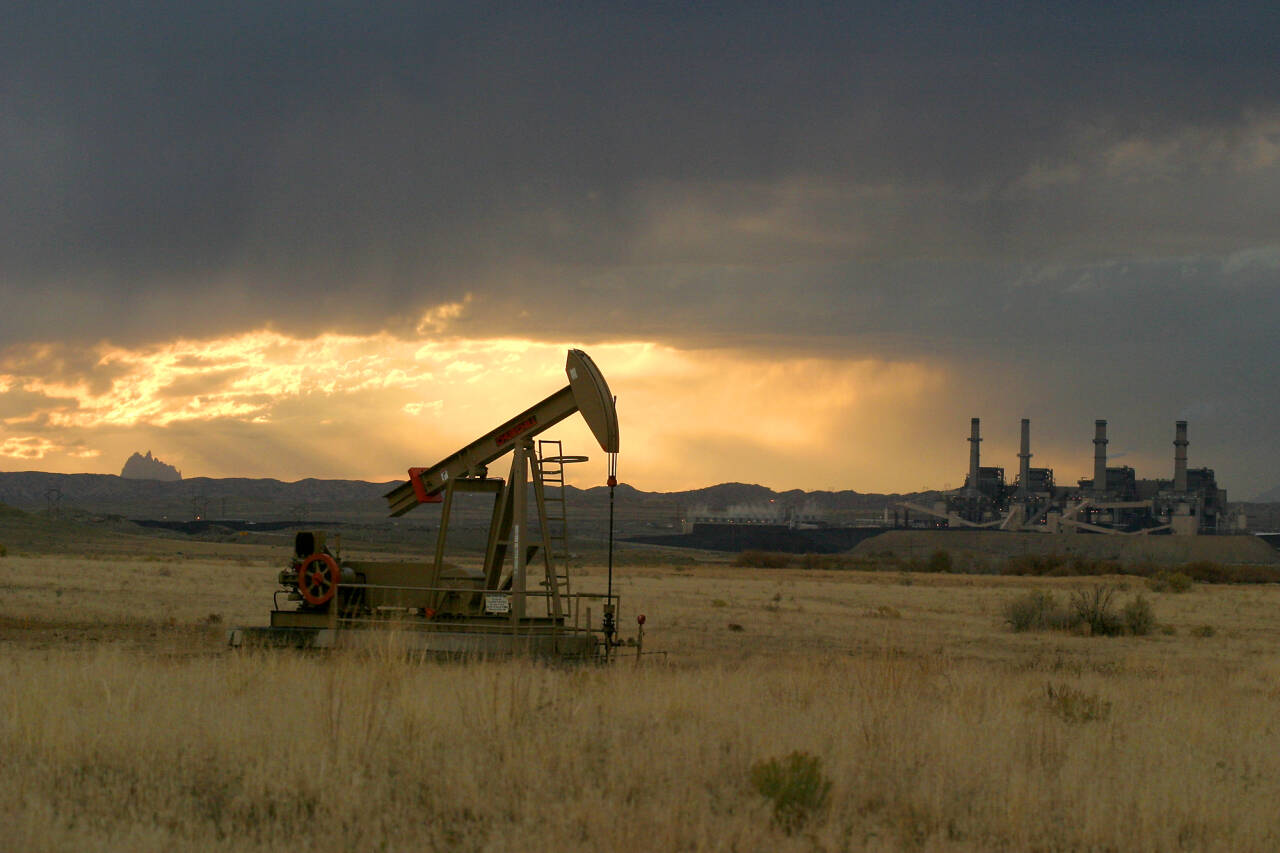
{"x": 318, "y": 583}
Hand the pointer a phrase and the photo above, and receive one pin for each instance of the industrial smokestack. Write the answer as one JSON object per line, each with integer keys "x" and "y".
{"x": 1099, "y": 456}
{"x": 974, "y": 438}
{"x": 1024, "y": 458}
{"x": 1180, "y": 457}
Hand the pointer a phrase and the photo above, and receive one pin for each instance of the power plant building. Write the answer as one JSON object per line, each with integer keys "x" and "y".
{"x": 1113, "y": 500}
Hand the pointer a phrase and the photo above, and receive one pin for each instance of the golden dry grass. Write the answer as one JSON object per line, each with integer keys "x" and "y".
{"x": 125, "y": 725}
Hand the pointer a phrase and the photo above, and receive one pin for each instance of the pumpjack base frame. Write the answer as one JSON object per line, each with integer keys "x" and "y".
{"x": 464, "y": 638}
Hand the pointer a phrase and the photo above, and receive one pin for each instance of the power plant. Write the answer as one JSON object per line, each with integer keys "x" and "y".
{"x": 1112, "y": 501}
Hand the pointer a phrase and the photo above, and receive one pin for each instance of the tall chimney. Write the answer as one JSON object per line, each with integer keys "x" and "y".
{"x": 1024, "y": 458}
{"x": 1180, "y": 457}
{"x": 1099, "y": 456}
{"x": 973, "y": 454}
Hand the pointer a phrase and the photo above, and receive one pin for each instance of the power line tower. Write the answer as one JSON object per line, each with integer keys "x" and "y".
{"x": 199, "y": 507}
{"x": 53, "y": 497}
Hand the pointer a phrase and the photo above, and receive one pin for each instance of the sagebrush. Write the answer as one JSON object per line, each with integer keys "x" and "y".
{"x": 796, "y": 787}
{"x": 1091, "y": 610}
{"x": 1175, "y": 582}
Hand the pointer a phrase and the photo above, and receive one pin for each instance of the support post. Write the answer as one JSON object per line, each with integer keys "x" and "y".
{"x": 437, "y": 565}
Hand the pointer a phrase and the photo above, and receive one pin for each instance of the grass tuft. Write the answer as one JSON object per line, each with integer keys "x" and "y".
{"x": 1073, "y": 705}
{"x": 796, "y": 787}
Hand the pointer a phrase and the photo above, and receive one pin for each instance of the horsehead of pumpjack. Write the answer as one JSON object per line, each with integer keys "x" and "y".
{"x": 586, "y": 393}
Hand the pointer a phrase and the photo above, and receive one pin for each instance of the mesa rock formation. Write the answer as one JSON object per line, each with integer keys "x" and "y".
{"x": 148, "y": 467}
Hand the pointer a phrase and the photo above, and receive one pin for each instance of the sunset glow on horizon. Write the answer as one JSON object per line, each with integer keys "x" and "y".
{"x": 368, "y": 407}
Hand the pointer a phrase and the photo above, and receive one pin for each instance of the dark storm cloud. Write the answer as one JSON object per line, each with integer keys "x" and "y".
{"x": 200, "y": 167}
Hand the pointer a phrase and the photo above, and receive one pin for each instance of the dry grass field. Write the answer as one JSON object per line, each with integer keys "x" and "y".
{"x": 125, "y": 724}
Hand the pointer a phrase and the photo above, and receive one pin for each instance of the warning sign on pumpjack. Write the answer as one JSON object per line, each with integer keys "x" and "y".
{"x": 496, "y": 602}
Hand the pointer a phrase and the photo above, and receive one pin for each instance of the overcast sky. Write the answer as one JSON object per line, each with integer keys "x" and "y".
{"x": 805, "y": 242}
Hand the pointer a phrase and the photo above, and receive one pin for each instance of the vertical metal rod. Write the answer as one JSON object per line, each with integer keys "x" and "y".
{"x": 608, "y": 607}
{"x": 613, "y": 462}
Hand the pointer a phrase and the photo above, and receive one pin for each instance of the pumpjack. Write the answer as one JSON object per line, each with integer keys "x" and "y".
{"x": 441, "y": 607}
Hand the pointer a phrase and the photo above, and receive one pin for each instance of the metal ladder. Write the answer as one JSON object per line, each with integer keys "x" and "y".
{"x": 550, "y": 462}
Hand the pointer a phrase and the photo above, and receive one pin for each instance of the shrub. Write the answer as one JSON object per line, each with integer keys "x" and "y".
{"x": 1090, "y": 610}
{"x": 1203, "y": 631}
{"x": 1074, "y": 705}
{"x": 1138, "y": 616}
{"x": 1205, "y": 571}
{"x": 1030, "y": 612}
{"x": 4, "y": 552}
{"x": 796, "y": 787}
{"x": 1056, "y": 565}
{"x": 762, "y": 560}
{"x": 940, "y": 561}
{"x": 1093, "y": 607}
{"x": 836, "y": 562}
{"x": 1170, "y": 582}
{"x": 1033, "y": 564}
{"x": 1083, "y": 566}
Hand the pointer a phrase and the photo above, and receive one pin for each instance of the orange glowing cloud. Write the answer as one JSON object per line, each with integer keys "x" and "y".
{"x": 263, "y": 403}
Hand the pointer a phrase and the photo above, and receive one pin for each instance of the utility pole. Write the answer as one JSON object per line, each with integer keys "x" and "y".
{"x": 53, "y": 497}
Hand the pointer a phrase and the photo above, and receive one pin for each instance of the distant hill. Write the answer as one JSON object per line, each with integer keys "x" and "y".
{"x": 1268, "y": 497}
{"x": 71, "y": 530}
{"x": 314, "y": 501}
{"x": 139, "y": 467}
{"x": 198, "y": 496}
{"x": 358, "y": 501}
